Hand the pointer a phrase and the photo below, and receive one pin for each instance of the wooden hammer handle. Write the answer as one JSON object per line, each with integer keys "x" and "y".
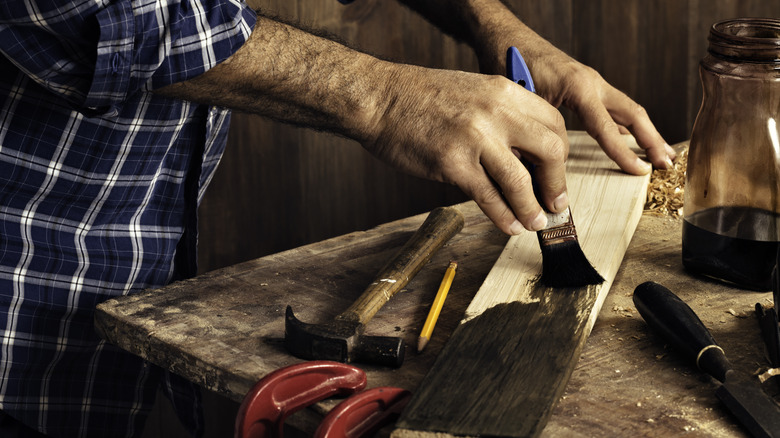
{"x": 440, "y": 225}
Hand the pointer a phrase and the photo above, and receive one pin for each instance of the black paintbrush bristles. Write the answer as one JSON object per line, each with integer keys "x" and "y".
{"x": 563, "y": 262}
{"x": 565, "y": 265}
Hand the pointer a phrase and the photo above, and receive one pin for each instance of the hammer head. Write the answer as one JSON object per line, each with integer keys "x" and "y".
{"x": 341, "y": 341}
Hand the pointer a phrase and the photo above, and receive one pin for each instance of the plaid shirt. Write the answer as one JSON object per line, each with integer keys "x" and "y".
{"x": 99, "y": 185}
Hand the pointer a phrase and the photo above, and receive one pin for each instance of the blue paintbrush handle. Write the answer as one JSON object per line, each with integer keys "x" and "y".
{"x": 517, "y": 70}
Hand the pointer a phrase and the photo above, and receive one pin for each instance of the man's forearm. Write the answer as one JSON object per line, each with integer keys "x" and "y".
{"x": 295, "y": 77}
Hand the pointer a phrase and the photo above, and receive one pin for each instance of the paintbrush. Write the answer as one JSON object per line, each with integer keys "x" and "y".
{"x": 563, "y": 262}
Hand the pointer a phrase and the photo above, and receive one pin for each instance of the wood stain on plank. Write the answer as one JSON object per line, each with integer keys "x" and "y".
{"x": 512, "y": 371}
{"x": 501, "y": 387}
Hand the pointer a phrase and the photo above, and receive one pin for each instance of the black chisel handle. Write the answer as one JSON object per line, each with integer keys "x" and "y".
{"x": 666, "y": 313}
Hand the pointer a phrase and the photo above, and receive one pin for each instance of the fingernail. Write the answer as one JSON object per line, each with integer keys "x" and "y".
{"x": 645, "y": 166}
{"x": 539, "y": 222}
{"x": 561, "y": 202}
{"x": 516, "y": 228}
{"x": 670, "y": 151}
{"x": 669, "y": 163}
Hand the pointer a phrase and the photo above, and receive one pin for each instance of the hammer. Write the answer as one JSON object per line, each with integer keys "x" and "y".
{"x": 342, "y": 339}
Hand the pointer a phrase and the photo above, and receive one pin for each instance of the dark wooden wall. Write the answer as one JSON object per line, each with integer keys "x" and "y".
{"x": 279, "y": 187}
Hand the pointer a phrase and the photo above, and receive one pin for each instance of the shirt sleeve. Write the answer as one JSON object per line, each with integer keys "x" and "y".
{"x": 95, "y": 54}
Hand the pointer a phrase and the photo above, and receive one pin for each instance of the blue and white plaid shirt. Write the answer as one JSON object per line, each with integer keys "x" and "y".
{"x": 99, "y": 184}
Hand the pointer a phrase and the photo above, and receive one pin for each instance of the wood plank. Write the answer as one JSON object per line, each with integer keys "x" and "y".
{"x": 508, "y": 361}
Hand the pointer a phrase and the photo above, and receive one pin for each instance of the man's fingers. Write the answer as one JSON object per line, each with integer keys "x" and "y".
{"x": 516, "y": 186}
{"x": 600, "y": 125}
{"x": 467, "y": 135}
{"x": 628, "y": 113}
{"x": 548, "y": 161}
{"x": 512, "y": 192}
{"x": 480, "y": 187}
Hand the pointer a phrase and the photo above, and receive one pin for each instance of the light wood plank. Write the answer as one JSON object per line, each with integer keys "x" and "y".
{"x": 606, "y": 205}
{"x": 508, "y": 361}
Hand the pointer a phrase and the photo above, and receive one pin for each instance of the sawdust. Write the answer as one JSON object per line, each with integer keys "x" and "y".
{"x": 666, "y": 190}
{"x": 623, "y": 311}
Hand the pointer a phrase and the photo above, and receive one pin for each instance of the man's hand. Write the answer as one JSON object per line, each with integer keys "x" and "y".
{"x": 605, "y": 111}
{"x": 490, "y": 28}
{"x": 469, "y": 130}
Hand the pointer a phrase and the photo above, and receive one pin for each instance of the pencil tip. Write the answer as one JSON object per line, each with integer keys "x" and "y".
{"x": 422, "y": 341}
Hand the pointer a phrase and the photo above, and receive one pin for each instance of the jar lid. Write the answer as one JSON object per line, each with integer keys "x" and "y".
{"x": 747, "y": 39}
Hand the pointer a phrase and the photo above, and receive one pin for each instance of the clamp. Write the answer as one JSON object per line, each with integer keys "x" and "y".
{"x": 290, "y": 389}
{"x": 363, "y": 414}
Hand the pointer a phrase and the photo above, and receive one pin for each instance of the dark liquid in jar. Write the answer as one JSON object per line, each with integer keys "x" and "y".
{"x": 735, "y": 244}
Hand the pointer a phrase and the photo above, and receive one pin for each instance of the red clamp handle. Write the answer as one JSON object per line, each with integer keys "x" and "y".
{"x": 290, "y": 389}
{"x": 363, "y": 414}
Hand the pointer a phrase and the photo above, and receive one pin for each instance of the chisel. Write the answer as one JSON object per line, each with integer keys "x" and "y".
{"x": 666, "y": 313}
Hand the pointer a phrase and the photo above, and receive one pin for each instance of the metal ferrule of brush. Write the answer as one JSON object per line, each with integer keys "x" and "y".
{"x": 560, "y": 228}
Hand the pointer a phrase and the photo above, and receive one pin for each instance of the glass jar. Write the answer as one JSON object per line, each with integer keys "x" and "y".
{"x": 731, "y": 222}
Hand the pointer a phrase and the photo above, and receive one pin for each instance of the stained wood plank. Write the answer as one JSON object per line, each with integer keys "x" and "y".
{"x": 510, "y": 358}
{"x": 628, "y": 381}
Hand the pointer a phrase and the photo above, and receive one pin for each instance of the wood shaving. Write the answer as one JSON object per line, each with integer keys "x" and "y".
{"x": 666, "y": 190}
{"x": 736, "y": 314}
{"x": 623, "y": 311}
{"x": 772, "y": 372}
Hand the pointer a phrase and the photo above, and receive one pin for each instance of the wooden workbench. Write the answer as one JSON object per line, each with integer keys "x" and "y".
{"x": 224, "y": 330}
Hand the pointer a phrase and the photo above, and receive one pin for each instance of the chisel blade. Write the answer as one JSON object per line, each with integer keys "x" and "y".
{"x": 678, "y": 324}
{"x": 754, "y": 409}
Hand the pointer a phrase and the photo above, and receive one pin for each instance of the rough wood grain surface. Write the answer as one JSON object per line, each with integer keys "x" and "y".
{"x": 507, "y": 363}
{"x": 626, "y": 383}
{"x": 223, "y": 330}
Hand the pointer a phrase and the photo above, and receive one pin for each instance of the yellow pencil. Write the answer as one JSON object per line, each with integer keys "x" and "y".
{"x": 438, "y": 302}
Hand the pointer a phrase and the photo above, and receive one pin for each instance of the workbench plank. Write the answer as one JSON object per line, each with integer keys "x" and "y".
{"x": 509, "y": 360}
{"x": 627, "y": 382}
{"x": 224, "y": 330}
